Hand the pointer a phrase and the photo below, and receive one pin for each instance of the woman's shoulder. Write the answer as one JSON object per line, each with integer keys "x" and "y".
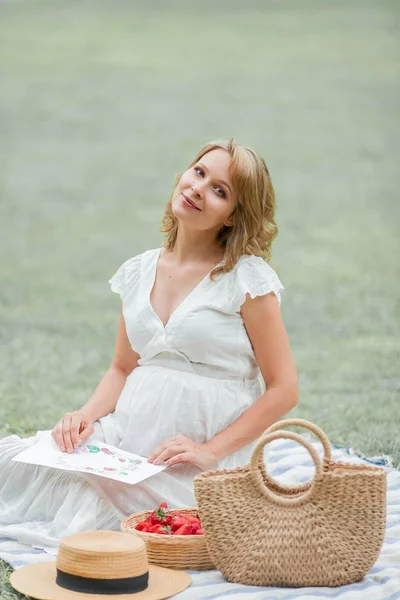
{"x": 254, "y": 276}
{"x": 128, "y": 273}
{"x": 251, "y": 265}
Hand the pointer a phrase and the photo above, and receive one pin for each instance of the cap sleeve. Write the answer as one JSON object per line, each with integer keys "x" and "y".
{"x": 256, "y": 277}
{"x": 127, "y": 276}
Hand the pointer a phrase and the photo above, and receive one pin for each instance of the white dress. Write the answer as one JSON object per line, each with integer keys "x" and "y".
{"x": 195, "y": 377}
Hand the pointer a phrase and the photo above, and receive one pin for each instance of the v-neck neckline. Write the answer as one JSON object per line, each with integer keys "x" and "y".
{"x": 152, "y": 279}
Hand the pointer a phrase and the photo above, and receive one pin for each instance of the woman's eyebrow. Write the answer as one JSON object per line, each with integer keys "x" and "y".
{"x": 220, "y": 180}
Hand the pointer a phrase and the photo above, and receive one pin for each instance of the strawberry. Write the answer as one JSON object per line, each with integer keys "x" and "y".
{"x": 153, "y": 518}
{"x": 140, "y": 526}
{"x": 184, "y": 530}
{"x": 177, "y": 523}
{"x": 161, "y": 515}
{"x": 164, "y": 530}
{"x": 160, "y": 530}
{"x": 194, "y": 527}
{"x": 191, "y": 519}
{"x": 199, "y": 532}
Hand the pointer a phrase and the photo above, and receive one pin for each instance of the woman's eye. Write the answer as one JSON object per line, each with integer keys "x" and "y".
{"x": 220, "y": 191}
{"x": 199, "y": 171}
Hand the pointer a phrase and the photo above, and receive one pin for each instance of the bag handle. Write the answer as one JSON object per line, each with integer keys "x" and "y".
{"x": 327, "y": 460}
{"x": 307, "y": 425}
{"x": 262, "y": 485}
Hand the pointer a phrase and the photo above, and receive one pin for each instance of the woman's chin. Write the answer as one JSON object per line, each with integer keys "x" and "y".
{"x": 180, "y": 212}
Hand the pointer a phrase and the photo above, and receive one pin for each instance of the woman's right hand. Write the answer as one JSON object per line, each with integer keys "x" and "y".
{"x": 71, "y": 430}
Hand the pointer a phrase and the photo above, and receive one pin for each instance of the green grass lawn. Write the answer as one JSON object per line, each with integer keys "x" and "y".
{"x": 103, "y": 102}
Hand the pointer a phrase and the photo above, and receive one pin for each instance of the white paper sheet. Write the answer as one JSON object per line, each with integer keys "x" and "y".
{"x": 95, "y": 458}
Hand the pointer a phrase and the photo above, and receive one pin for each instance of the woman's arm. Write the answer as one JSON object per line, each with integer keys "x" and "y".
{"x": 263, "y": 321}
{"x": 105, "y": 396}
{"x": 75, "y": 427}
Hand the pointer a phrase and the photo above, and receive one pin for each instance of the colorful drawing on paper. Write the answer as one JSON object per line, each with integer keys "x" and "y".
{"x": 118, "y": 463}
{"x": 94, "y": 458}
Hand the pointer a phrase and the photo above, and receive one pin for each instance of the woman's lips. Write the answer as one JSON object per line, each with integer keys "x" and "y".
{"x": 189, "y": 202}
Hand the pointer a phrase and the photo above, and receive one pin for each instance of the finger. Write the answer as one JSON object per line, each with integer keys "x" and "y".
{"x": 74, "y": 430}
{"x": 155, "y": 455}
{"x": 66, "y": 429}
{"x": 176, "y": 440}
{"x": 58, "y": 436}
{"x": 157, "y": 459}
{"x": 166, "y": 454}
{"x": 86, "y": 433}
{"x": 63, "y": 442}
{"x": 183, "y": 457}
{"x": 157, "y": 451}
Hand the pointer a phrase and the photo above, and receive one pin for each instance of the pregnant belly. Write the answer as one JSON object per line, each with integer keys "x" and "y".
{"x": 158, "y": 403}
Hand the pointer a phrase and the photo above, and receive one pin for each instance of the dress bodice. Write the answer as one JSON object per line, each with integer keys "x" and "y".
{"x": 205, "y": 334}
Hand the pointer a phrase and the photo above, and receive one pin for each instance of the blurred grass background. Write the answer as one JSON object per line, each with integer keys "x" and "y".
{"x": 103, "y": 102}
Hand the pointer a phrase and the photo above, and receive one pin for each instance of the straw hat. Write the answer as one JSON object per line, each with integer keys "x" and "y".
{"x": 97, "y": 565}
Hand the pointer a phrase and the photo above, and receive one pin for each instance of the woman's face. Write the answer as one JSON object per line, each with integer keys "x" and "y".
{"x": 208, "y": 186}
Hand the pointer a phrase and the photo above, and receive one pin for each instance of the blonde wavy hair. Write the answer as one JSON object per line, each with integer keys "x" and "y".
{"x": 253, "y": 226}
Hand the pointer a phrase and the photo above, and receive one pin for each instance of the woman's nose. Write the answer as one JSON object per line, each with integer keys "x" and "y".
{"x": 197, "y": 188}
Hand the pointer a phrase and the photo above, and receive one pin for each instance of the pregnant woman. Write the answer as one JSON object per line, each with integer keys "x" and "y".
{"x": 200, "y": 330}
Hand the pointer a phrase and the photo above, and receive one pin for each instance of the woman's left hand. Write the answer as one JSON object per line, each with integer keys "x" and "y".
{"x": 181, "y": 449}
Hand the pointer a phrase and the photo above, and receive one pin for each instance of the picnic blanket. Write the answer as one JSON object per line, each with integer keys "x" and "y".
{"x": 290, "y": 463}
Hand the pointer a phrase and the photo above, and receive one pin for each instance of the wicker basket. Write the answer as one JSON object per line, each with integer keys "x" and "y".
{"x": 172, "y": 551}
{"x": 326, "y": 532}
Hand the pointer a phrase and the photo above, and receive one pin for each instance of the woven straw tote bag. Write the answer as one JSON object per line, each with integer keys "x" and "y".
{"x": 326, "y": 532}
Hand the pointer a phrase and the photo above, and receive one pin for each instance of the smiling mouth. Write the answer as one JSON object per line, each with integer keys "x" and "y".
{"x": 190, "y": 202}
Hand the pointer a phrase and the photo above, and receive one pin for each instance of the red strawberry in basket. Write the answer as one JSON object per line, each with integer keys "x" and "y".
{"x": 184, "y": 530}
{"x": 161, "y": 515}
{"x": 194, "y": 527}
{"x": 178, "y": 522}
{"x": 192, "y": 519}
{"x": 159, "y": 529}
{"x": 164, "y": 530}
